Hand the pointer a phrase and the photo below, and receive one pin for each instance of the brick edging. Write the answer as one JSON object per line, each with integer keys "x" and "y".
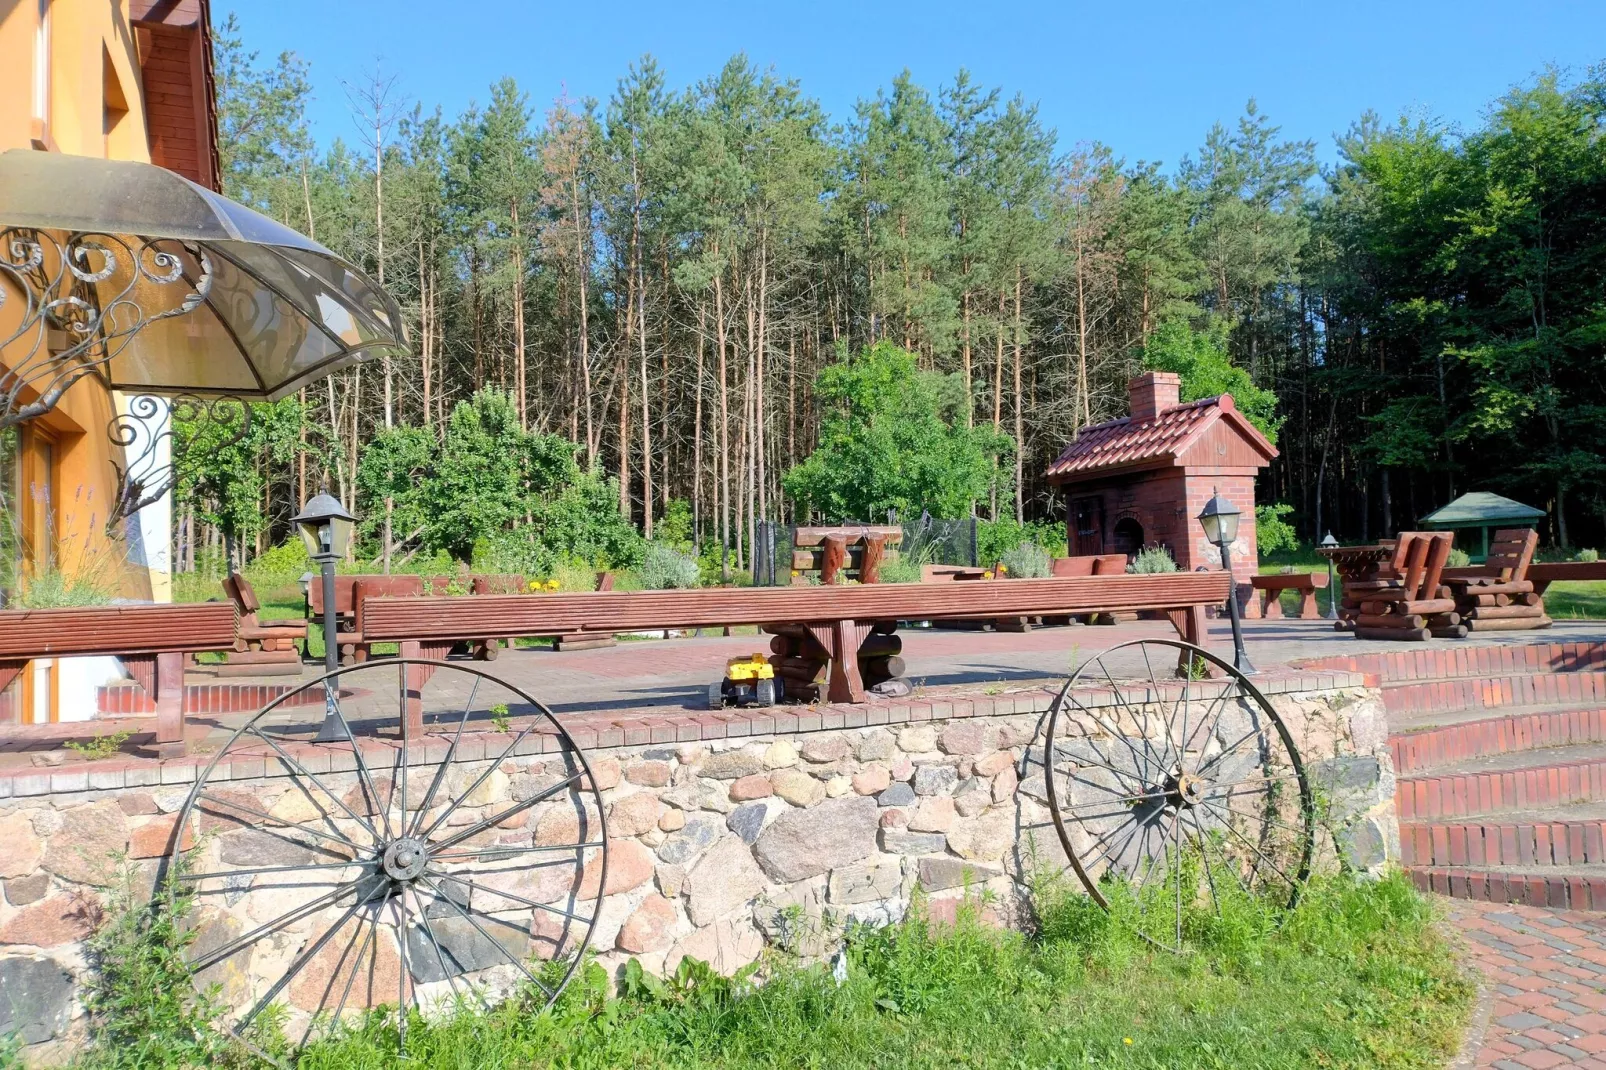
{"x": 1541, "y": 890}
{"x": 1415, "y": 752}
{"x": 1466, "y": 660}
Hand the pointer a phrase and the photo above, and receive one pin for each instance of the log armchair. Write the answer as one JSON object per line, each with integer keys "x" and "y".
{"x": 261, "y": 646}
{"x": 1498, "y": 595}
{"x": 1406, "y": 599}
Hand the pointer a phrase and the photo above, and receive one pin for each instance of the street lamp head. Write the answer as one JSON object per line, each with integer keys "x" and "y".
{"x": 1219, "y": 518}
{"x": 306, "y": 583}
{"x": 1328, "y": 542}
{"x": 325, "y": 527}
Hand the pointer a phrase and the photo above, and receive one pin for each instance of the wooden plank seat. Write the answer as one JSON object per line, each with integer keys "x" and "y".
{"x": 153, "y": 643}
{"x": 1087, "y": 565}
{"x": 261, "y": 646}
{"x": 1543, "y": 573}
{"x": 1271, "y": 588}
{"x": 1498, "y": 596}
{"x": 840, "y": 618}
{"x": 1404, "y": 598}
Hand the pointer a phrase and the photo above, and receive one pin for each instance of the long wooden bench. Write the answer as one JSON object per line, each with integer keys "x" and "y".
{"x": 840, "y": 618}
{"x": 1543, "y": 573}
{"x": 151, "y": 641}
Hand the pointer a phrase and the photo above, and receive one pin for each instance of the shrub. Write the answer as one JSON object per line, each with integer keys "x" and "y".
{"x": 1588, "y": 555}
{"x": 54, "y": 589}
{"x": 575, "y": 577}
{"x": 1152, "y": 559}
{"x": 1272, "y": 532}
{"x": 1458, "y": 558}
{"x": 665, "y": 568}
{"x": 897, "y": 567}
{"x": 995, "y": 537}
{"x": 1027, "y": 561}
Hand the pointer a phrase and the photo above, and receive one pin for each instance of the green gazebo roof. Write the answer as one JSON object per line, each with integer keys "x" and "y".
{"x": 1478, "y": 509}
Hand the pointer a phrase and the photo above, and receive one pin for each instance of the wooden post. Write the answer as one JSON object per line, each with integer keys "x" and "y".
{"x": 169, "y": 699}
{"x": 833, "y": 556}
{"x": 413, "y": 690}
{"x": 870, "y": 562}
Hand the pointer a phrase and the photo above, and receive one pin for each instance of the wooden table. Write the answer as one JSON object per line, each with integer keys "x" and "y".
{"x": 1355, "y": 564}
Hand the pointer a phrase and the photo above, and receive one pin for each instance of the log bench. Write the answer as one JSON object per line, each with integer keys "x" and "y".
{"x": 1498, "y": 596}
{"x": 841, "y": 553}
{"x": 1272, "y": 586}
{"x": 261, "y": 647}
{"x": 840, "y": 619}
{"x": 153, "y": 643}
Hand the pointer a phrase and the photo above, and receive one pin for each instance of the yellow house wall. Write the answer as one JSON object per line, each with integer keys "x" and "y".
{"x": 89, "y": 38}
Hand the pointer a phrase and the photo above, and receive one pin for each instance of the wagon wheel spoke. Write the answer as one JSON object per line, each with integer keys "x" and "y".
{"x": 356, "y": 911}
{"x": 1175, "y": 826}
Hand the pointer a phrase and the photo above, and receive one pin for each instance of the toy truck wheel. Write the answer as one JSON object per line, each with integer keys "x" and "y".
{"x": 766, "y": 692}
{"x": 716, "y": 695}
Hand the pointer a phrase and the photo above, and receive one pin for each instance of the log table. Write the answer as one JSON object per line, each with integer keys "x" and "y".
{"x": 1355, "y": 564}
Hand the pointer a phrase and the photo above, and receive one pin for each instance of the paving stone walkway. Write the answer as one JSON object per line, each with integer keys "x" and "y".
{"x": 1547, "y": 972}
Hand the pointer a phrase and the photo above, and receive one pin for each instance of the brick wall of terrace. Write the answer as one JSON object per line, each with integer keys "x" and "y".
{"x": 725, "y": 828}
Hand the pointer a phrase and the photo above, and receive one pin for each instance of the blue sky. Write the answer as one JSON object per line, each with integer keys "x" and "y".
{"x": 1147, "y": 79}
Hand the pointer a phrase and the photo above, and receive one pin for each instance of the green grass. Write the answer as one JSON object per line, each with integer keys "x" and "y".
{"x": 1576, "y": 600}
{"x": 1360, "y": 975}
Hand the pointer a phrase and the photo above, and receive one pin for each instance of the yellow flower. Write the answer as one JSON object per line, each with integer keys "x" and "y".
{"x": 1126, "y": 1040}
{"x": 1002, "y": 569}
{"x": 986, "y": 575}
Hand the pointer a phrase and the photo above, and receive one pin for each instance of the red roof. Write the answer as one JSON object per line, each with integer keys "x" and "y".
{"x": 1152, "y": 443}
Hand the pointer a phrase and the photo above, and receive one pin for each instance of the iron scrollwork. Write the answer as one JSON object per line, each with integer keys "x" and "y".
{"x": 94, "y": 288}
{"x": 187, "y": 425}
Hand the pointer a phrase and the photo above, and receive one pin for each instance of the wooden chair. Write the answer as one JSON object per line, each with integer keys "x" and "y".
{"x": 1407, "y": 600}
{"x": 1498, "y": 595}
{"x": 265, "y": 647}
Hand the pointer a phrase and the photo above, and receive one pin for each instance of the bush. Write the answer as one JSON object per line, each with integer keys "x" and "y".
{"x": 1153, "y": 559}
{"x": 996, "y": 537}
{"x": 665, "y": 568}
{"x": 1028, "y": 561}
{"x": 1588, "y": 555}
{"x": 1272, "y": 532}
{"x": 1458, "y": 558}
{"x": 897, "y": 567}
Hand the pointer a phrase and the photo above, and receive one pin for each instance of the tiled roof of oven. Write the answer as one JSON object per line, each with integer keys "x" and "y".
{"x": 1129, "y": 443}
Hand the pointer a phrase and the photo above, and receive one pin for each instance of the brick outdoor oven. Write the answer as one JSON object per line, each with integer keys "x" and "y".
{"x": 1140, "y": 481}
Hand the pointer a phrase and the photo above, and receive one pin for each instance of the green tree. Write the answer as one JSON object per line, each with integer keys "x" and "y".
{"x": 893, "y": 436}
{"x": 1200, "y": 358}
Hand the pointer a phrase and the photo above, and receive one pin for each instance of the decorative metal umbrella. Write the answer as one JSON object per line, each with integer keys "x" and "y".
{"x": 155, "y": 285}
{"x": 160, "y": 286}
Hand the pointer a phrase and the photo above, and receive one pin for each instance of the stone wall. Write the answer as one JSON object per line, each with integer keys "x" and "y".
{"x": 717, "y": 846}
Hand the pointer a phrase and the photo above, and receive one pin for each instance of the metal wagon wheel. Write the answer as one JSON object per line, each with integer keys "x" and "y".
{"x": 390, "y": 868}
{"x": 1170, "y": 790}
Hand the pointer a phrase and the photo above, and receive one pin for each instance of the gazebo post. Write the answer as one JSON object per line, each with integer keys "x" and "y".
{"x": 1485, "y": 530}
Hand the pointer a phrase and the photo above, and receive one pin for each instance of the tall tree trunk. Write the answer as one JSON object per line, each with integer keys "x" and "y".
{"x": 724, "y": 422}
{"x": 520, "y": 388}
{"x": 1020, "y": 414}
{"x": 697, "y": 434}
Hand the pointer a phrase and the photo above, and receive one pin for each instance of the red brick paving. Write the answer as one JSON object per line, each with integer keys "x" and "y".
{"x": 1546, "y": 970}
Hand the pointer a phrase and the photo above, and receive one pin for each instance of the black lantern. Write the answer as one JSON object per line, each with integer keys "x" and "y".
{"x": 1219, "y": 518}
{"x": 1330, "y": 544}
{"x": 326, "y": 527}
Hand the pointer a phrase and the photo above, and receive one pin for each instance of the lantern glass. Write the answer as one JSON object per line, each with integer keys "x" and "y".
{"x": 325, "y": 526}
{"x": 1219, "y": 518}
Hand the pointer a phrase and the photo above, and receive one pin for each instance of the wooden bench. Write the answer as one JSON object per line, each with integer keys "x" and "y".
{"x": 838, "y": 618}
{"x": 260, "y": 647}
{"x": 1543, "y": 573}
{"x": 1271, "y": 588}
{"x": 835, "y": 552}
{"x": 152, "y": 642}
{"x": 1498, "y": 596}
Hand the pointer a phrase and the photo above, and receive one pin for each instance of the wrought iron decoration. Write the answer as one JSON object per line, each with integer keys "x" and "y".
{"x": 181, "y": 422}
{"x": 93, "y": 287}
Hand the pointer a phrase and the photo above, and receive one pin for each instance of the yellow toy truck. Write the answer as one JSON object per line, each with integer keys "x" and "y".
{"x": 748, "y": 681}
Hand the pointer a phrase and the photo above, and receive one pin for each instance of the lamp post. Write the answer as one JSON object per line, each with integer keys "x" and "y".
{"x": 1219, "y": 518}
{"x": 326, "y": 529}
{"x": 1329, "y": 543}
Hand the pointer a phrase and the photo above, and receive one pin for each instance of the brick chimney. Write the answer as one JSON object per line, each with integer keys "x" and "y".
{"x": 1153, "y": 393}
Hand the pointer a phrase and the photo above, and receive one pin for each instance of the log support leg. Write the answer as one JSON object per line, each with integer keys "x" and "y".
{"x": 842, "y": 639}
{"x": 169, "y": 698}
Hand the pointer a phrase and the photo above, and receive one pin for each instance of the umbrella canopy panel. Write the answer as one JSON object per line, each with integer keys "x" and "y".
{"x": 1481, "y": 508}
{"x": 199, "y": 293}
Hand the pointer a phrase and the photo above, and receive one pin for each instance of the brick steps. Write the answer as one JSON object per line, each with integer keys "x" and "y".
{"x": 1571, "y": 888}
{"x": 1560, "y": 837}
{"x": 1507, "y": 783}
{"x": 1566, "y": 688}
{"x": 1539, "y": 729}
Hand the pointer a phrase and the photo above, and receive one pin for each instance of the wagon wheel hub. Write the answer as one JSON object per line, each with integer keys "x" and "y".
{"x": 1184, "y": 791}
{"x": 404, "y": 859}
